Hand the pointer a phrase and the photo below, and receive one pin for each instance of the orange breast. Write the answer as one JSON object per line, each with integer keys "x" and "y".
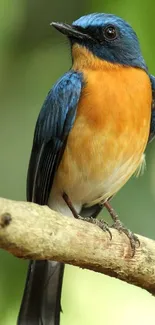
{"x": 109, "y": 136}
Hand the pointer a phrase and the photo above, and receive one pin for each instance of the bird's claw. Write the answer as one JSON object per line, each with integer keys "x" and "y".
{"x": 134, "y": 241}
{"x": 100, "y": 223}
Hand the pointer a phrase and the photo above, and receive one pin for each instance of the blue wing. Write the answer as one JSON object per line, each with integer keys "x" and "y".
{"x": 152, "y": 126}
{"x": 54, "y": 123}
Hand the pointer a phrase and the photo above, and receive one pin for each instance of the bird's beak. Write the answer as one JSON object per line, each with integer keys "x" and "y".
{"x": 70, "y": 31}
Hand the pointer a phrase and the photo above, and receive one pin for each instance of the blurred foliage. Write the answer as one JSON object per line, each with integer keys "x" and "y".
{"x": 32, "y": 57}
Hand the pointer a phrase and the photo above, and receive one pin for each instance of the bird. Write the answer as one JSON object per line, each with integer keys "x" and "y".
{"x": 90, "y": 138}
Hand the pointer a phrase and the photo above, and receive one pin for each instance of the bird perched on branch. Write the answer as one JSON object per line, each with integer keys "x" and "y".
{"x": 89, "y": 139}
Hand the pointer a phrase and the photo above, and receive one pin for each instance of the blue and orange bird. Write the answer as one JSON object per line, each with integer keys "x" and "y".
{"x": 89, "y": 139}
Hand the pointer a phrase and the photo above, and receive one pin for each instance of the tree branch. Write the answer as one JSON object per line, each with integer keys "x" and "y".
{"x": 30, "y": 231}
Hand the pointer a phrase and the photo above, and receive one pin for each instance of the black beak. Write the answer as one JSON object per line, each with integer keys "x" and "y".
{"x": 71, "y": 31}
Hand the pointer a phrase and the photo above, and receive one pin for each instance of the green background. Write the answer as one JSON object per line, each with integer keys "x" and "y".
{"x": 32, "y": 57}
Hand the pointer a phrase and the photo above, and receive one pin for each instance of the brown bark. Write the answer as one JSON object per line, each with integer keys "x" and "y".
{"x": 31, "y": 231}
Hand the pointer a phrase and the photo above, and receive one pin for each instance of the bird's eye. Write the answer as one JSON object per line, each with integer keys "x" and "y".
{"x": 110, "y": 33}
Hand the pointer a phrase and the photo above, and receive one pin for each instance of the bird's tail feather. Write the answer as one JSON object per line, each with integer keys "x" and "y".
{"x": 42, "y": 294}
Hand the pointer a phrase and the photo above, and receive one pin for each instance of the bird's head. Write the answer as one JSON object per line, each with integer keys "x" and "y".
{"x": 107, "y": 37}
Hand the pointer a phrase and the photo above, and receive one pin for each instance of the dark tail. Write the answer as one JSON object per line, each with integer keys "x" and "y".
{"x": 42, "y": 294}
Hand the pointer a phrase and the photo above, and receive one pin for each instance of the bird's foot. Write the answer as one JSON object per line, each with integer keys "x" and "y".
{"x": 134, "y": 241}
{"x": 100, "y": 223}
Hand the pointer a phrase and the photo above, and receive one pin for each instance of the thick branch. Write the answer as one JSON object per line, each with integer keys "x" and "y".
{"x": 36, "y": 232}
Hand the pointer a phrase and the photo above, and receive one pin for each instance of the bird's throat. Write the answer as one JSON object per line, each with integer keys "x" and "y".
{"x": 85, "y": 59}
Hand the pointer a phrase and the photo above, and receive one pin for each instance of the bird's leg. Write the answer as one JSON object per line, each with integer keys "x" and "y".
{"x": 100, "y": 223}
{"x": 134, "y": 241}
{"x": 70, "y": 205}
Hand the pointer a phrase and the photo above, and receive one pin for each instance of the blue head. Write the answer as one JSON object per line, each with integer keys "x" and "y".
{"x": 107, "y": 36}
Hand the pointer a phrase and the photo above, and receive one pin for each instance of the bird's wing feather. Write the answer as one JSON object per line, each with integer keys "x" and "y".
{"x": 54, "y": 123}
